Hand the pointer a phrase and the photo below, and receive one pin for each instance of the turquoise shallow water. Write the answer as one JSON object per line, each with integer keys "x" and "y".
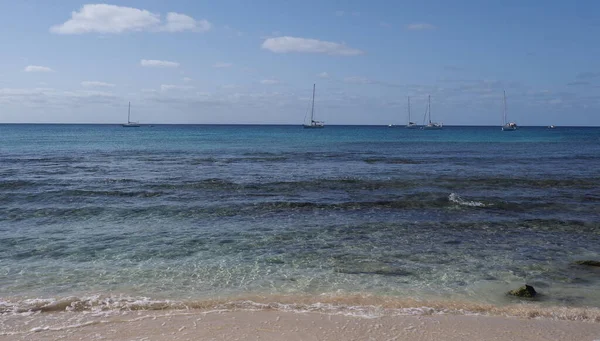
{"x": 198, "y": 212}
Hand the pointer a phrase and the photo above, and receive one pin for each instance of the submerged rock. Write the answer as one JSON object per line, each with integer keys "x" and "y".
{"x": 588, "y": 262}
{"x": 524, "y": 291}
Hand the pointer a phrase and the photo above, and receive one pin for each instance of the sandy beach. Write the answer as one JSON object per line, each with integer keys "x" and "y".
{"x": 279, "y": 325}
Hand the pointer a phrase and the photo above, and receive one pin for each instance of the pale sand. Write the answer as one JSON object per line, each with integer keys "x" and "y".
{"x": 279, "y": 325}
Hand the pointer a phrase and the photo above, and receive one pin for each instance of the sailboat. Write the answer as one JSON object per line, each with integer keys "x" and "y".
{"x": 431, "y": 125}
{"x": 410, "y": 125}
{"x": 130, "y": 124}
{"x": 507, "y": 126}
{"x": 313, "y": 123}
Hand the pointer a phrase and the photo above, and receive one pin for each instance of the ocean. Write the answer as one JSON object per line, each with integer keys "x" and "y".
{"x": 171, "y": 216}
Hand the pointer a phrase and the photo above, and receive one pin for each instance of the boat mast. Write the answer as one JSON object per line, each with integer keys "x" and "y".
{"x": 429, "y": 106}
{"x": 312, "y": 111}
{"x": 408, "y": 109}
{"x": 504, "y": 115}
{"x": 129, "y": 113}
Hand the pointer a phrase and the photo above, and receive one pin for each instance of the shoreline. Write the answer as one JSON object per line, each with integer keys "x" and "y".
{"x": 285, "y": 325}
{"x": 357, "y": 305}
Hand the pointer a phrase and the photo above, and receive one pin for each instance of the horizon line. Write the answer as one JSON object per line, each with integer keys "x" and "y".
{"x": 279, "y": 124}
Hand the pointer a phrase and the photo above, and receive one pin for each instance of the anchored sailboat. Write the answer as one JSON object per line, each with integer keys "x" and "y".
{"x": 431, "y": 125}
{"x": 130, "y": 124}
{"x": 313, "y": 123}
{"x": 410, "y": 125}
{"x": 507, "y": 126}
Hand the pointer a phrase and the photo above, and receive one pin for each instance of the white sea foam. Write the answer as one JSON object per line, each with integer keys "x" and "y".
{"x": 102, "y": 308}
{"x": 93, "y": 303}
{"x": 455, "y": 198}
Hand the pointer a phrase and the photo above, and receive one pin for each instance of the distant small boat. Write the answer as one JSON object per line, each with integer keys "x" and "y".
{"x": 410, "y": 125}
{"x": 507, "y": 126}
{"x": 431, "y": 125}
{"x": 130, "y": 124}
{"x": 552, "y": 126}
{"x": 313, "y": 123}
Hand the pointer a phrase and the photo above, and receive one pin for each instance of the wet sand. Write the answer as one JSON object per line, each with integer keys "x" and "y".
{"x": 281, "y": 325}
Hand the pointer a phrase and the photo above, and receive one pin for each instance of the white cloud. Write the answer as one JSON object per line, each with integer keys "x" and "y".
{"x": 158, "y": 63}
{"x": 46, "y": 97}
{"x": 420, "y": 27}
{"x": 304, "y": 45}
{"x": 221, "y": 65}
{"x": 104, "y": 18}
{"x": 167, "y": 87}
{"x": 37, "y": 68}
{"x": 180, "y": 22}
{"x": 323, "y": 75}
{"x": 269, "y": 81}
{"x": 187, "y": 79}
{"x": 97, "y": 84}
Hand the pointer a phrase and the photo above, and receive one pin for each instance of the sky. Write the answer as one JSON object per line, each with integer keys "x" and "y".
{"x": 254, "y": 62}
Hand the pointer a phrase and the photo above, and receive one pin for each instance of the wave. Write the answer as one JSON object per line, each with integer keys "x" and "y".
{"x": 341, "y": 183}
{"x": 395, "y": 161}
{"x": 107, "y": 193}
{"x": 16, "y": 184}
{"x": 506, "y": 182}
{"x": 57, "y": 160}
{"x": 355, "y": 183}
{"x": 208, "y": 209}
{"x": 260, "y": 159}
{"x": 455, "y": 198}
{"x": 360, "y": 305}
{"x": 253, "y": 204}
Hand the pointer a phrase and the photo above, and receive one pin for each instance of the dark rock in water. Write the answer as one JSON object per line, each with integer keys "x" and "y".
{"x": 524, "y": 291}
{"x": 588, "y": 262}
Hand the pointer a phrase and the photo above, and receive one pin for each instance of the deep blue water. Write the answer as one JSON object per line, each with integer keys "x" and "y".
{"x": 193, "y": 212}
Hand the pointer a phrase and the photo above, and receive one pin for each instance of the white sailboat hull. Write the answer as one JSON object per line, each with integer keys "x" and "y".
{"x": 433, "y": 126}
{"x": 313, "y": 126}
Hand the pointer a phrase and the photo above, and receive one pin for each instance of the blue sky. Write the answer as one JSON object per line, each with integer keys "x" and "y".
{"x": 255, "y": 61}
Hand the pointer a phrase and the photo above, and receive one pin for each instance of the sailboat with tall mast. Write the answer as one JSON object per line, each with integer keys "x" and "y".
{"x": 507, "y": 126}
{"x": 313, "y": 123}
{"x": 431, "y": 125}
{"x": 410, "y": 125}
{"x": 130, "y": 124}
